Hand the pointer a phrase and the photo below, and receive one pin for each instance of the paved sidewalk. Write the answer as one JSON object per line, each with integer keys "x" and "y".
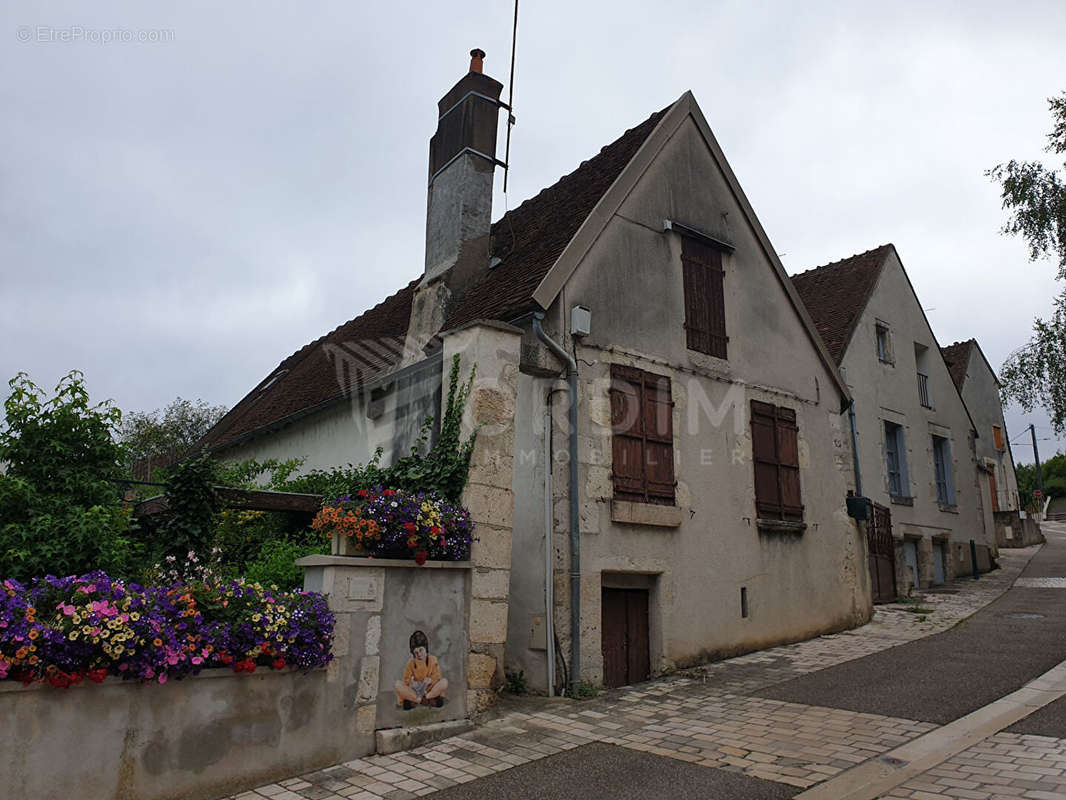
{"x": 706, "y": 717}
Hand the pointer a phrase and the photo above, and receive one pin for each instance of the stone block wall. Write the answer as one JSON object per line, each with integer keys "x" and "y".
{"x": 493, "y": 350}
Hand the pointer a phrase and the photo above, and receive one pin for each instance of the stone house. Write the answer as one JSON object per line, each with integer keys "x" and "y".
{"x": 915, "y": 451}
{"x": 661, "y": 460}
{"x": 979, "y": 386}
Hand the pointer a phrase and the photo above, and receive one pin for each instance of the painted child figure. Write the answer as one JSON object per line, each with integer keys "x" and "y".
{"x": 422, "y": 683}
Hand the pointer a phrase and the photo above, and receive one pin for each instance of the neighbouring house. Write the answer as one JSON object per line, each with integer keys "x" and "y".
{"x": 979, "y": 386}
{"x": 915, "y": 438}
{"x": 662, "y": 461}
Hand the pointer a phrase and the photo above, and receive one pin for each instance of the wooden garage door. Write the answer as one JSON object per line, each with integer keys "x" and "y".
{"x": 624, "y": 633}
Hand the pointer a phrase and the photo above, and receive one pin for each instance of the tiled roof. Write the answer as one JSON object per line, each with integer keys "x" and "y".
{"x": 324, "y": 370}
{"x": 527, "y": 240}
{"x": 957, "y": 357}
{"x": 836, "y": 294}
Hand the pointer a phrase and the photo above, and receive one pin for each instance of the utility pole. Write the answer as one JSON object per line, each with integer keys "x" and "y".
{"x": 1036, "y": 457}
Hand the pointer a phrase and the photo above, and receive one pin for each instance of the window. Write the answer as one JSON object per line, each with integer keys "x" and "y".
{"x": 642, "y": 441}
{"x": 997, "y": 437}
{"x": 945, "y": 480}
{"x": 896, "y": 460}
{"x": 884, "y": 342}
{"x": 775, "y": 450}
{"x": 704, "y": 297}
{"x": 921, "y": 362}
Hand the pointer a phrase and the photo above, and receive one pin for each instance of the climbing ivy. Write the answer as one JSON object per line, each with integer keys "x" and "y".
{"x": 446, "y": 467}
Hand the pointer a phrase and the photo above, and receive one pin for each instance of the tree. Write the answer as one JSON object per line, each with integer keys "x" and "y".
{"x": 1035, "y": 374}
{"x": 60, "y": 511}
{"x": 166, "y": 435}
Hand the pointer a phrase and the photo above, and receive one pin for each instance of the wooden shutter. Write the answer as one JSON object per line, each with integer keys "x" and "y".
{"x": 788, "y": 474}
{"x": 775, "y": 451}
{"x": 997, "y": 436}
{"x": 658, "y": 439}
{"x": 642, "y": 436}
{"x": 704, "y": 298}
{"x": 627, "y": 437}
{"x": 995, "y": 491}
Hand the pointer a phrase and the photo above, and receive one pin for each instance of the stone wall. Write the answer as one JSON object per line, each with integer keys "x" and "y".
{"x": 493, "y": 350}
{"x": 1013, "y": 531}
{"x": 220, "y": 732}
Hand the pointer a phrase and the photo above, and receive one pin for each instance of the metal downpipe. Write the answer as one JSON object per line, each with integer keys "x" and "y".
{"x": 575, "y": 539}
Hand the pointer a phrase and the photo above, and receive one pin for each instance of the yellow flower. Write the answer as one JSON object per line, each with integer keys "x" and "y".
{"x": 73, "y": 636}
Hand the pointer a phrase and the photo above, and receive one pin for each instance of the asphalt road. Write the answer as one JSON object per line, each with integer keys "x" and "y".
{"x": 943, "y": 677}
{"x": 606, "y": 772}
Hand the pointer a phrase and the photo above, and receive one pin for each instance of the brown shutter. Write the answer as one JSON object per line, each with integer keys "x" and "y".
{"x": 775, "y": 451}
{"x": 764, "y": 454}
{"x": 627, "y": 439}
{"x": 704, "y": 298}
{"x": 642, "y": 441}
{"x": 658, "y": 439}
{"x": 788, "y": 465}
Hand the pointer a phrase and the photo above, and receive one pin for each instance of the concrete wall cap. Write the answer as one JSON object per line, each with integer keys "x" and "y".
{"x": 356, "y": 561}
{"x": 495, "y": 324}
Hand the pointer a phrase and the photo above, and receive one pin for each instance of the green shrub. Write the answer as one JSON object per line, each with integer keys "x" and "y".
{"x": 275, "y": 564}
{"x": 60, "y": 511}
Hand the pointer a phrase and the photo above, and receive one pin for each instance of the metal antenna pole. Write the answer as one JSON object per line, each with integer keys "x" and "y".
{"x": 1036, "y": 457}
{"x": 510, "y": 100}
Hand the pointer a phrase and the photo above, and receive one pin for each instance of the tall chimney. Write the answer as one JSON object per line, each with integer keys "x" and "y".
{"x": 462, "y": 160}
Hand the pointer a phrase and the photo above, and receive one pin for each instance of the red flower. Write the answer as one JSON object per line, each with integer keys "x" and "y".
{"x": 362, "y": 492}
{"x": 420, "y": 557}
{"x": 279, "y": 663}
{"x": 97, "y": 675}
{"x": 410, "y": 526}
{"x": 389, "y": 492}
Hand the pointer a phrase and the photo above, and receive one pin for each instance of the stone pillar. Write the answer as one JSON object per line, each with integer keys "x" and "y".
{"x": 354, "y": 594}
{"x": 494, "y": 349}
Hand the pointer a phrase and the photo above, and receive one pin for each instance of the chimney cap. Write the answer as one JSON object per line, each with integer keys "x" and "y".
{"x": 477, "y": 56}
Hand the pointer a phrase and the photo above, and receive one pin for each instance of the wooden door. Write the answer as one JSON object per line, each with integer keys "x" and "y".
{"x": 939, "y": 574}
{"x": 624, "y": 634}
{"x": 910, "y": 556}
{"x": 882, "y": 557}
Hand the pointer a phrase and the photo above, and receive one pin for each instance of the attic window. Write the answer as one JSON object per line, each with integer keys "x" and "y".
{"x": 277, "y": 376}
{"x": 884, "y": 342}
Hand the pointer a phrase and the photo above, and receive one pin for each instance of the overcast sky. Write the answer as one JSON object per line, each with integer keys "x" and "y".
{"x": 177, "y": 216}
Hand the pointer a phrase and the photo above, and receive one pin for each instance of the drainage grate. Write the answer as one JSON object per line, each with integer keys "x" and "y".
{"x": 1041, "y": 583}
{"x": 892, "y": 761}
{"x": 1025, "y": 615}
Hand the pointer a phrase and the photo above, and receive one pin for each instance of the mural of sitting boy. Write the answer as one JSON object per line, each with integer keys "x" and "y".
{"x": 422, "y": 683}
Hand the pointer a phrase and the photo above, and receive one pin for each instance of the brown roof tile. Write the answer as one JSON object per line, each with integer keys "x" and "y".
{"x": 527, "y": 240}
{"x": 836, "y": 294}
{"x": 957, "y": 357}
{"x": 324, "y": 370}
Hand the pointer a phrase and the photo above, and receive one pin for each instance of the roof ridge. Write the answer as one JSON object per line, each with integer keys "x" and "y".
{"x": 838, "y": 262}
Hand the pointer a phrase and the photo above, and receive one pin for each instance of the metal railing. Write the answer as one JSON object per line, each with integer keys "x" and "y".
{"x": 923, "y": 390}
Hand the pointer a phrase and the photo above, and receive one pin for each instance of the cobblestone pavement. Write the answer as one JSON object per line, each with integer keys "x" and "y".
{"x": 1007, "y": 765}
{"x": 705, "y": 717}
